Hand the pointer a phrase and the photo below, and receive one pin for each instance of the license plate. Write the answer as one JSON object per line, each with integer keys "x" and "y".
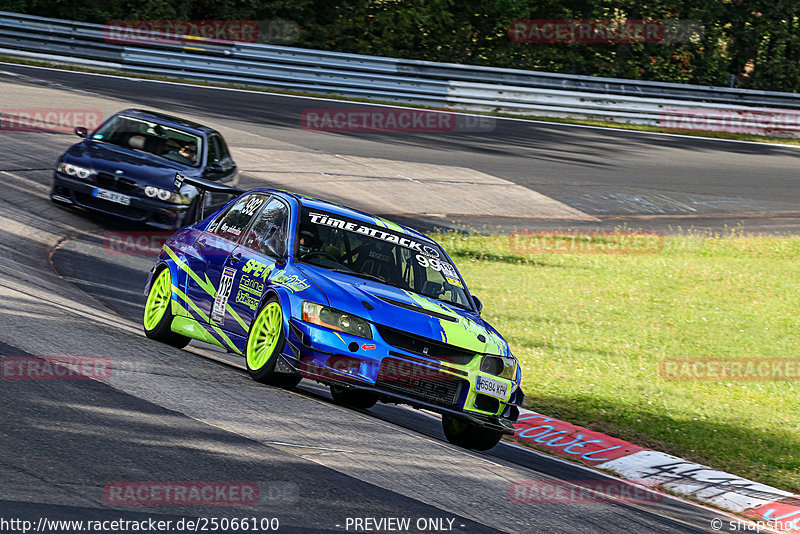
{"x": 111, "y": 196}
{"x": 494, "y": 388}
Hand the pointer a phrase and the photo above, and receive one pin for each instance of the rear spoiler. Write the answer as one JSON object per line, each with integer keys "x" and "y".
{"x": 204, "y": 186}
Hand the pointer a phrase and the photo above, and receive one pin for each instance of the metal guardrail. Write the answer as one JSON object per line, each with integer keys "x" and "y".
{"x": 454, "y": 86}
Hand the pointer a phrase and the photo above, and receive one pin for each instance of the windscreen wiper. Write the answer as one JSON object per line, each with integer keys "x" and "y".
{"x": 360, "y": 275}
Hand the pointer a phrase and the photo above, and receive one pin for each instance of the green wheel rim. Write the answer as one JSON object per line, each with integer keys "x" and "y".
{"x": 264, "y": 336}
{"x": 158, "y": 300}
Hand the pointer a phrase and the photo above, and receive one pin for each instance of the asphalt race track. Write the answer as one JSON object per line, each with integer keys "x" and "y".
{"x": 165, "y": 414}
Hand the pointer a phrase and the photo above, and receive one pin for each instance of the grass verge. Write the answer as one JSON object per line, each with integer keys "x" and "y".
{"x": 591, "y": 331}
{"x": 540, "y": 118}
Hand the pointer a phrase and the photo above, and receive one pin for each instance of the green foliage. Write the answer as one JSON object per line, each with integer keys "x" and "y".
{"x": 758, "y": 41}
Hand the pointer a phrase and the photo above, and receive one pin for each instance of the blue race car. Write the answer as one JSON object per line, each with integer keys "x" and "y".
{"x": 126, "y": 168}
{"x": 304, "y": 288}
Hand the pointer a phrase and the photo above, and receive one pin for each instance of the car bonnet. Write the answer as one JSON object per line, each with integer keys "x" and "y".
{"x": 407, "y": 311}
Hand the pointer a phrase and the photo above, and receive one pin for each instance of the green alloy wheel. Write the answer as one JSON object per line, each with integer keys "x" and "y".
{"x": 158, "y": 312}
{"x": 264, "y": 345}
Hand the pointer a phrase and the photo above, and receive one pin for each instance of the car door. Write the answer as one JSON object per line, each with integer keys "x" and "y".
{"x": 212, "y": 284}
{"x": 260, "y": 252}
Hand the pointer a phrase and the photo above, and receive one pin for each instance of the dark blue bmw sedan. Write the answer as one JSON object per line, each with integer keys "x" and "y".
{"x": 127, "y": 166}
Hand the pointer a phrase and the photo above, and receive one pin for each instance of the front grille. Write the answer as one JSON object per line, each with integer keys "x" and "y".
{"x": 113, "y": 183}
{"x": 425, "y": 347}
{"x": 420, "y": 382}
{"x": 111, "y": 207}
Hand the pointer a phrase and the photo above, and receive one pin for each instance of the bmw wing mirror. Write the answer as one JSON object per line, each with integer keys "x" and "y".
{"x": 81, "y": 132}
{"x": 478, "y": 304}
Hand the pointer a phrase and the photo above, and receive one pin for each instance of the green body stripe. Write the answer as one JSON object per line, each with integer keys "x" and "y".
{"x": 203, "y": 316}
{"x": 390, "y": 225}
{"x": 207, "y": 286}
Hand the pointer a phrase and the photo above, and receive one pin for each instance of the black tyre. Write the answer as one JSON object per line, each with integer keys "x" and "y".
{"x": 466, "y": 434}
{"x": 353, "y": 397}
{"x": 158, "y": 316}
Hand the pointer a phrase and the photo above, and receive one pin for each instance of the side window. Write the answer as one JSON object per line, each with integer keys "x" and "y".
{"x": 224, "y": 153}
{"x": 268, "y": 234}
{"x": 233, "y": 223}
{"x": 213, "y": 150}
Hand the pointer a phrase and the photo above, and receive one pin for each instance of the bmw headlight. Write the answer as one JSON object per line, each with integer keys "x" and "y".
{"x": 73, "y": 170}
{"x": 502, "y": 366}
{"x": 166, "y": 195}
{"x": 335, "y": 319}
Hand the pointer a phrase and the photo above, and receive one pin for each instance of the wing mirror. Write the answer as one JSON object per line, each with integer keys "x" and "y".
{"x": 81, "y": 132}
{"x": 478, "y": 304}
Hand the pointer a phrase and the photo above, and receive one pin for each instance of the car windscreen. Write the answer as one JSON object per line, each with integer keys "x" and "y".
{"x": 379, "y": 253}
{"x": 147, "y": 136}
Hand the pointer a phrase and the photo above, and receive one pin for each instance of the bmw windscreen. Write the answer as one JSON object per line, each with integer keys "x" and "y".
{"x": 350, "y": 246}
{"x": 153, "y": 138}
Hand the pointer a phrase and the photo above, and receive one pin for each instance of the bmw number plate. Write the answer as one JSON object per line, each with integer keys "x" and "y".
{"x": 489, "y": 386}
{"x": 111, "y": 196}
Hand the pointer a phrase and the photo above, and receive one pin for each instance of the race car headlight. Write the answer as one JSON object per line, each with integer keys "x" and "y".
{"x": 166, "y": 195}
{"x": 502, "y": 366}
{"x": 335, "y": 319}
{"x": 73, "y": 170}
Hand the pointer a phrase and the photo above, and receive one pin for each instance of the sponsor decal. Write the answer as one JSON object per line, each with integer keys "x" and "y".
{"x": 293, "y": 283}
{"x": 258, "y": 269}
{"x": 180, "y": 493}
{"x": 358, "y": 228}
{"x": 48, "y": 119}
{"x": 369, "y": 346}
{"x": 223, "y": 292}
{"x": 573, "y": 441}
{"x": 730, "y": 369}
{"x": 253, "y": 204}
{"x": 579, "y": 492}
{"x": 54, "y": 368}
{"x": 179, "y": 178}
{"x": 247, "y": 299}
{"x": 392, "y": 120}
